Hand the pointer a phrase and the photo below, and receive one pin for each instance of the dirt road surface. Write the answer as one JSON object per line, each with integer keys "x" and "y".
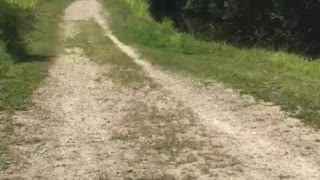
{"x": 85, "y": 125}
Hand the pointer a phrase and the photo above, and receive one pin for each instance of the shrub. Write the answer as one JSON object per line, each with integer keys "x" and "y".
{"x": 140, "y": 8}
{"x": 16, "y": 23}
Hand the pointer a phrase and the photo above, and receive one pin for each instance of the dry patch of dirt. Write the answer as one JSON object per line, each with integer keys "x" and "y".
{"x": 90, "y": 122}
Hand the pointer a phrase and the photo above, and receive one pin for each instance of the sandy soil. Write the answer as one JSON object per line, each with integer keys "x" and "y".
{"x": 85, "y": 126}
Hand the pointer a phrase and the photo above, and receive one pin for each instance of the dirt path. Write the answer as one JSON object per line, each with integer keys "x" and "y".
{"x": 85, "y": 125}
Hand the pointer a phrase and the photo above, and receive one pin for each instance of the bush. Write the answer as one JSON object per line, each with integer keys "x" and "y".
{"x": 140, "y": 8}
{"x": 16, "y": 23}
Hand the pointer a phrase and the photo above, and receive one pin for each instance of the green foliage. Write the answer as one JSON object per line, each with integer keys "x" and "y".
{"x": 285, "y": 79}
{"x": 140, "y": 8}
{"x": 22, "y": 4}
{"x": 162, "y": 35}
{"x": 16, "y": 23}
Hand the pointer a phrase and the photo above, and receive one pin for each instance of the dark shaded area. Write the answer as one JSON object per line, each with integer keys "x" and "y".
{"x": 26, "y": 58}
{"x": 15, "y": 24}
{"x": 164, "y": 8}
{"x": 290, "y": 25}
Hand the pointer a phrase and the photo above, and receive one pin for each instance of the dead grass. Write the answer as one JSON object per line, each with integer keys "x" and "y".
{"x": 100, "y": 49}
{"x": 159, "y": 130}
{"x": 168, "y": 136}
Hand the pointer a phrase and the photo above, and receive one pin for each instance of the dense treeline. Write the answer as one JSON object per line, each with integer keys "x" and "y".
{"x": 288, "y": 24}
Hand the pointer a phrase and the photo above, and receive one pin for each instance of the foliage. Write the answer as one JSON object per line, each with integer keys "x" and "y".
{"x": 140, "y": 8}
{"x": 16, "y": 23}
{"x": 287, "y": 24}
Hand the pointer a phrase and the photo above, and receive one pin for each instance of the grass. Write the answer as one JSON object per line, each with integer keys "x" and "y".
{"x": 288, "y": 80}
{"x": 24, "y": 76}
{"x": 100, "y": 49}
{"x": 26, "y": 72}
{"x": 19, "y": 83}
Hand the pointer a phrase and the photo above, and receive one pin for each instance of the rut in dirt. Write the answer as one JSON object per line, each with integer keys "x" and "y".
{"x": 93, "y": 121}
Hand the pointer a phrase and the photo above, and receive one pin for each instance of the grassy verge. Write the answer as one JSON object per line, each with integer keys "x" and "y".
{"x": 285, "y": 79}
{"x": 26, "y": 72}
{"x": 17, "y": 85}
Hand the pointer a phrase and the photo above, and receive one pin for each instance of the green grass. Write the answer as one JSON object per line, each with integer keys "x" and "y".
{"x": 24, "y": 73}
{"x": 19, "y": 83}
{"x": 285, "y": 79}
{"x": 45, "y": 39}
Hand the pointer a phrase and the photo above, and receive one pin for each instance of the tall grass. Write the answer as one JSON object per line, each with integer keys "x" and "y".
{"x": 285, "y": 79}
{"x": 16, "y": 23}
{"x": 162, "y": 35}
